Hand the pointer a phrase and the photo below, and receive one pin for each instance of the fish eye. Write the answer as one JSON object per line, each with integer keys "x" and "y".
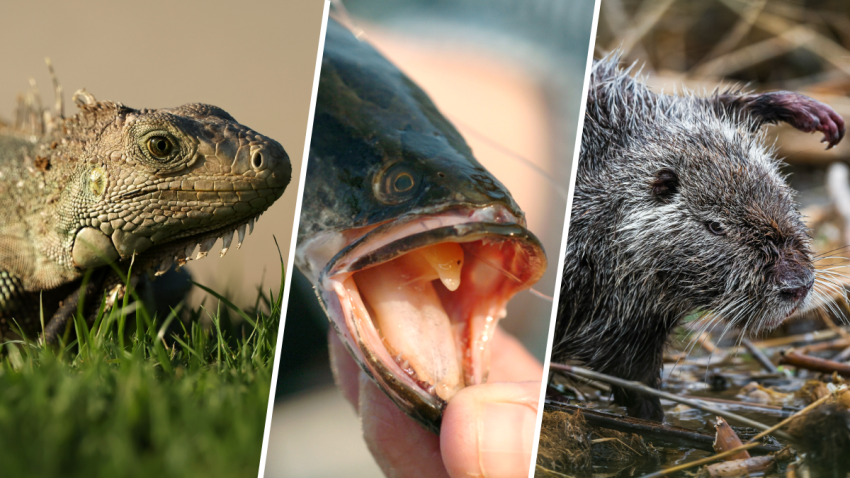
{"x": 715, "y": 228}
{"x": 397, "y": 183}
{"x": 403, "y": 182}
{"x": 160, "y": 146}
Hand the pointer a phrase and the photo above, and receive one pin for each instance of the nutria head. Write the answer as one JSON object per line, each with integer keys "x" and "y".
{"x": 680, "y": 207}
{"x": 708, "y": 221}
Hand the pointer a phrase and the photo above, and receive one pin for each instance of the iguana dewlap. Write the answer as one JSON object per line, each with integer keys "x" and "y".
{"x": 111, "y": 183}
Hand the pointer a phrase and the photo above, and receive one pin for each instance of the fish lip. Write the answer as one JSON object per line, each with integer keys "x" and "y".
{"x": 464, "y": 225}
{"x": 499, "y": 218}
{"x": 466, "y": 232}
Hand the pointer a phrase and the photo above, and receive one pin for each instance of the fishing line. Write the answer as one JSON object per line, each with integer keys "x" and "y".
{"x": 533, "y": 291}
{"x": 562, "y": 191}
{"x": 494, "y": 266}
{"x": 541, "y": 295}
{"x": 345, "y": 18}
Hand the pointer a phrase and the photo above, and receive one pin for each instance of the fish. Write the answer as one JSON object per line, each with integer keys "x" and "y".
{"x": 413, "y": 247}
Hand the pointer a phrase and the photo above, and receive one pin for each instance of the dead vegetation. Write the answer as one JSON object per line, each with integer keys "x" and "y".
{"x": 569, "y": 445}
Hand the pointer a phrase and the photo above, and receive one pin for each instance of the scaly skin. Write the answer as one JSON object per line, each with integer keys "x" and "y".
{"x": 111, "y": 183}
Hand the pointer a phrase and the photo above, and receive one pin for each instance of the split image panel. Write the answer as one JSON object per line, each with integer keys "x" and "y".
{"x": 160, "y": 378}
{"x": 703, "y": 297}
{"x": 438, "y": 173}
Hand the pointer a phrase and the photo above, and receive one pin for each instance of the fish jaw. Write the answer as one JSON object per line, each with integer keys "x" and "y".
{"x": 418, "y": 370}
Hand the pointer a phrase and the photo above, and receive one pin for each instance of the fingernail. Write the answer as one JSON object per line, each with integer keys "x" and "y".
{"x": 505, "y": 439}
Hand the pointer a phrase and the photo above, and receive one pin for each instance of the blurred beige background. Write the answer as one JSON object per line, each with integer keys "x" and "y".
{"x": 254, "y": 59}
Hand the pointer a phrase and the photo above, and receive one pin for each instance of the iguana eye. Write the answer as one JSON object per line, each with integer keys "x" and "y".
{"x": 160, "y": 146}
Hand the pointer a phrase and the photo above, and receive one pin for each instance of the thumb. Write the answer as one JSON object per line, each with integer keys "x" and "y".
{"x": 488, "y": 430}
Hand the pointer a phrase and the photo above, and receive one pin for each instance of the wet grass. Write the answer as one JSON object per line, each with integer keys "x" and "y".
{"x": 136, "y": 395}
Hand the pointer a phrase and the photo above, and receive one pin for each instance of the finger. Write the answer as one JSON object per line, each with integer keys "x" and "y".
{"x": 401, "y": 447}
{"x": 510, "y": 361}
{"x": 488, "y": 430}
{"x": 345, "y": 370}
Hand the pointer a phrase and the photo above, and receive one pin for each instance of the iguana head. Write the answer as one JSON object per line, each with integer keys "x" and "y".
{"x": 158, "y": 182}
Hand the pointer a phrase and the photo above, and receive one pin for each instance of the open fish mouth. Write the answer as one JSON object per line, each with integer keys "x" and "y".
{"x": 417, "y": 300}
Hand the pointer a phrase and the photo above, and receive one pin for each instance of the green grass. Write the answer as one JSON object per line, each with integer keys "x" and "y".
{"x": 141, "y": 397}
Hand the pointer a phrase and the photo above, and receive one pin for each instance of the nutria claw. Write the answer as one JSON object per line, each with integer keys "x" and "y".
{"x": 810, "y": 115}
{"x": 834, "y": 124}
{"x": 804, "y": 113}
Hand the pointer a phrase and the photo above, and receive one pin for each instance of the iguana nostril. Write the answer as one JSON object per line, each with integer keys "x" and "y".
{"x": 257, "y": 160}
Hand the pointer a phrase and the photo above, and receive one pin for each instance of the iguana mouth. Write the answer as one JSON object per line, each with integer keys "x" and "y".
{"x": 197, "y": 245}
{"x": 242, "y": 204}
{"x": 184, "y": 248}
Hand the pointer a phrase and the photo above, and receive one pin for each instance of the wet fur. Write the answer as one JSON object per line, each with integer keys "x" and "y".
{"x": 656, "y": 173}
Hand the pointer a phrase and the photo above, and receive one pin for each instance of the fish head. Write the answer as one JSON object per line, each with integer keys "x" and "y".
{"x": 413, "y": 246}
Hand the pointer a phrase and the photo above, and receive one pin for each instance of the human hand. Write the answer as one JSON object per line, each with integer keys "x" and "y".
{"x": 487, "y": 430}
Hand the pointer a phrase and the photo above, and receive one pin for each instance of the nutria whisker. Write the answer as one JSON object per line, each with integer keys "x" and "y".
{"x": 833, "y": 251}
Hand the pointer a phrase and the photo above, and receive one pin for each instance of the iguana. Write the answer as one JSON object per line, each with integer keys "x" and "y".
{"x": 113, "y": 183}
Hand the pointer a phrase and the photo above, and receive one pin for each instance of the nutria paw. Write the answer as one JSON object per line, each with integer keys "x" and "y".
{"x": 800, "y": 111}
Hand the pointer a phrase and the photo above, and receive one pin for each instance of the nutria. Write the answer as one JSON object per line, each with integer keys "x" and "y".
{"x": 680, "y": 207}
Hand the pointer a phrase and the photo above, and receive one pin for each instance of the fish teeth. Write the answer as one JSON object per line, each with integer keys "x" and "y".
{"x": 206, "y": 245}
{"x": 164, "y": 266}
{"x": 225, "y": 242}
{"x": 241, "y": 232}
{"x": 250, "y": 226}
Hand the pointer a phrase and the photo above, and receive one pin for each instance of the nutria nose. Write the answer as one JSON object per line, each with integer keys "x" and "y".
{"x": 796, "y": 293}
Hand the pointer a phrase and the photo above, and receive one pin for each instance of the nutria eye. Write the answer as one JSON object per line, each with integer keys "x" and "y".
{"x": 715, "y": 228}
{"x": 665, "y": 185}
{"x": 160, "y": 146}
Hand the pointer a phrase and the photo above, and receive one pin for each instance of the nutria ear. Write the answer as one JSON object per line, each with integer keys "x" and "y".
{"x": 665, "y": 184}
{"x": 804, "y": 113}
